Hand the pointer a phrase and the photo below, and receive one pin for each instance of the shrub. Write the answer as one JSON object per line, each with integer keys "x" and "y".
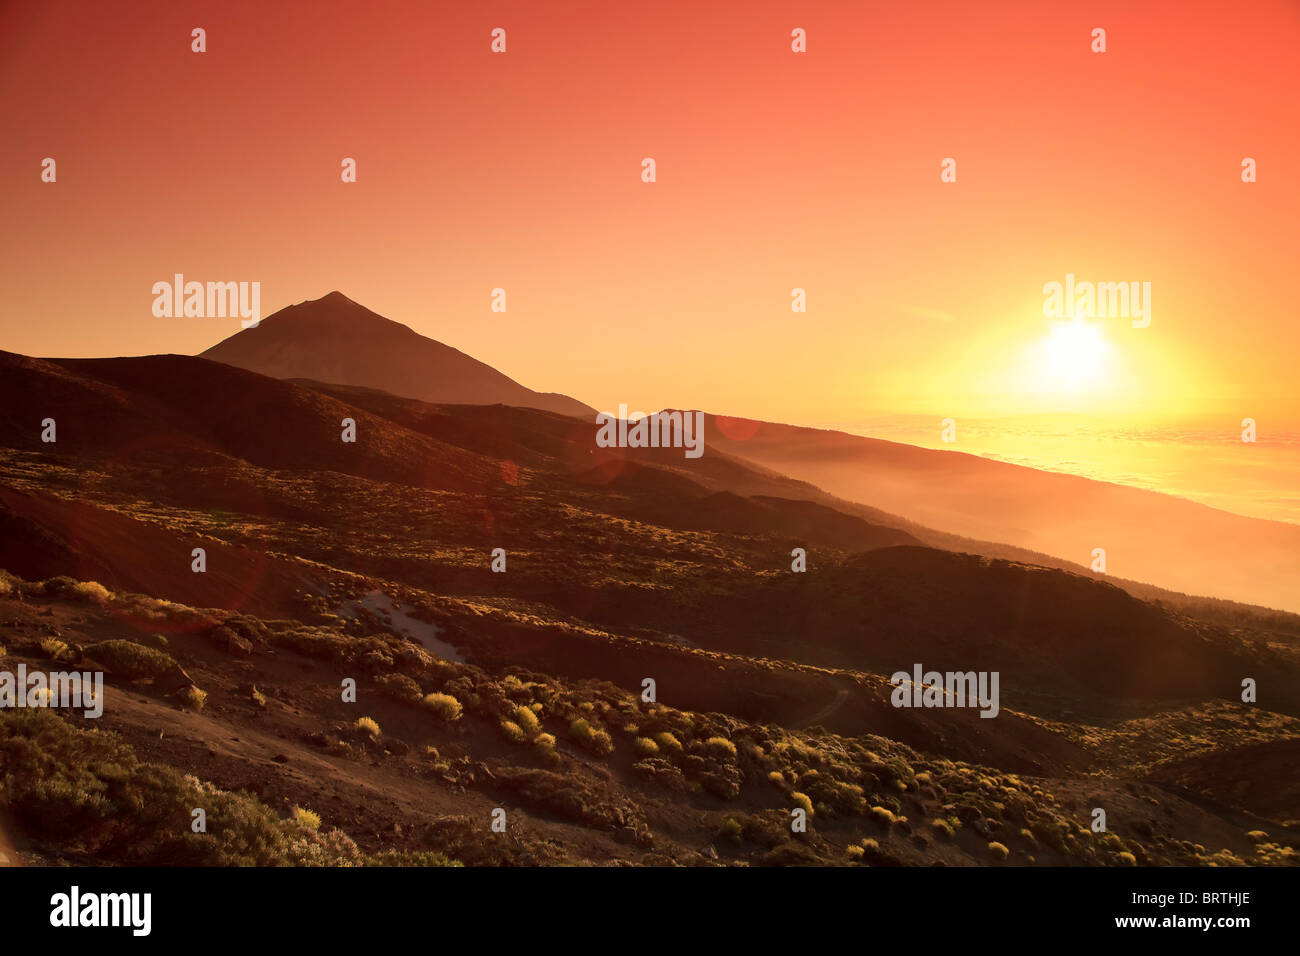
{"x": 668, "y": 742}
{"x": 777, "y": 778}
{"x": 399, "y": 687}
{"x": 802, "y": 800}
{"x": 130, "y": 660}
{"x": 571, "y": 798}
{"x": 512, "y": 731}
{"x": 998, "y": 851}
{"x": 527, "y": 720}
{"x": 854, "y": 852}
{"x": 1224, "y": 857}
{"x": 368, "y": 725}
{"x": 92, "y": 591}
{"x": 1274, "y": 854}
{"x": 54, "y": 648}
{"x": 193, "y": 698}
{"x": 545, "y": 746}
{"x": 592, "y": 738}
{"x": 645, "y": 747}
{"x": 730, "y": 830}
{"x": 444, "y": 706}
{"x": 306, "y": 818}
{"x": 59, "y": 586}
{"x": 1128, "y": 859}
{"x": 721, "y": 747}
{"x": 943, "y": 828}
{"x": 884, "y": 816}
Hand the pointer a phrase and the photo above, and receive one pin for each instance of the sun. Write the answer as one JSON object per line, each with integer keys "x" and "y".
{"x": 1074, "y": 356}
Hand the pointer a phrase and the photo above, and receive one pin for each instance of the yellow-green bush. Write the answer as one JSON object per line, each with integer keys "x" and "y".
{"x": 54, "y": 648}
{"x": 943, "y": 828}
{"x": 444, "y": 706}
{"x": 527, "y": 720}
{"x": 307, "y": 818}
{"x": 193, "y": 698}
{"x": 92, "y": 591}
{"x": 720, "y": 747}
{"x": 130, "y": 660}
{"x": 667, "y": 742}
{"x": 591, "y": 738}
{"x": 883, "y": 815}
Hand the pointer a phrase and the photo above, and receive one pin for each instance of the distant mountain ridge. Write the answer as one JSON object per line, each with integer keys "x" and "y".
{"x": 1148, "y": 536}
{"x": 334, "y": 339}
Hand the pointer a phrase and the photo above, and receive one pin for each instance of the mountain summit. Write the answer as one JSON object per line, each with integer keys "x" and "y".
{"x": 333, "y": 339}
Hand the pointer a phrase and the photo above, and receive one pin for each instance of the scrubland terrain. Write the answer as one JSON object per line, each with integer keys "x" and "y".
{"x": 477, "y": 690}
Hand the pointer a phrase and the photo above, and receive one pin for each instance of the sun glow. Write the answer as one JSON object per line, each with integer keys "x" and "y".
{"x": 1074, "y": 356}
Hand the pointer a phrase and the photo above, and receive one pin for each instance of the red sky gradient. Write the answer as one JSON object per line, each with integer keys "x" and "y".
{"x": 775, "y": 170}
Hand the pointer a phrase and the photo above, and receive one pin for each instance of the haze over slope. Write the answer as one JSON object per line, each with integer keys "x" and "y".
{"x": 1156, "y": 538}
{"x": 333, "y": 339}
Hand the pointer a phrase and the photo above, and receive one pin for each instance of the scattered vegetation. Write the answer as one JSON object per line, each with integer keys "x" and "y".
{"x": 87, "y": 786}
{"x": 591, "y": 738}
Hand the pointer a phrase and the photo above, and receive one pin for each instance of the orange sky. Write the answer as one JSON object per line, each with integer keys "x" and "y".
{"x": 775, "y": 170}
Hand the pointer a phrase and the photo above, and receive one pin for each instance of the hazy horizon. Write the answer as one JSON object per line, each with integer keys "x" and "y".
{"x": 1193, "y": 456}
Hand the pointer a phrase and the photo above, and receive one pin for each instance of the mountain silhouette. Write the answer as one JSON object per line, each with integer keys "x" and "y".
{"x": 333, "y": 339}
